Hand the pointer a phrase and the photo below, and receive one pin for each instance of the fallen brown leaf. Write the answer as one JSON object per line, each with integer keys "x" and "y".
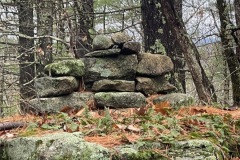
{"x": 162, "y": 107}
{"x": 133, "y": 129}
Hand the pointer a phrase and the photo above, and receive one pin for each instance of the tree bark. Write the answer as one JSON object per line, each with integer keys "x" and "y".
{"x": 231, "y": 58}
{"x": 26, "y": 58}
{"x": 189, "y": 50}
{"x": 2, "y": 79}
{"x": 44, "y": 10}
{"x": 237, "y": 17}
{"x": 60, "y": 15}
{"x": 226, "y": 84}
{"x": 159, "y": 39}
{"x": 84, "y": 8}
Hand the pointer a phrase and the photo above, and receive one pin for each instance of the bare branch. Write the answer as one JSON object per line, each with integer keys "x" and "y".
{"x": 38, "y": 37}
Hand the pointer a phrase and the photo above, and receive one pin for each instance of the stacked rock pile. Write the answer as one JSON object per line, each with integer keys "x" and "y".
{"x": 116, "y": 75}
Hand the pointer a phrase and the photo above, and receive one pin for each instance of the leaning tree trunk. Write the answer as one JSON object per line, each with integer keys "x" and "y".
{"x": 189, "y": 50}
{"x": 26, "y": 57}
{"x": 231, "y": 58}
{"x": 158, "y": 38}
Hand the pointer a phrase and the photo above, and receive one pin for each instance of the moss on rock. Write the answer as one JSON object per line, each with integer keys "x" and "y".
{"x": 66, "y": 68}
{"x": 57, "y": 146}
{"x": 196, "y": 149}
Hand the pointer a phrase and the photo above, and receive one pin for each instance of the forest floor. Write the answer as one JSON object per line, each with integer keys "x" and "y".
{"x": 110, "y": 127}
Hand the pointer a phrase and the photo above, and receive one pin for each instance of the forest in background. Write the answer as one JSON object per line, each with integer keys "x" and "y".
{"x": 201, "y": 37}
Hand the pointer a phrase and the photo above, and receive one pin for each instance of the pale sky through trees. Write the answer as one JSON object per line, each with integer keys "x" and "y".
{"x": 197, "y": 15}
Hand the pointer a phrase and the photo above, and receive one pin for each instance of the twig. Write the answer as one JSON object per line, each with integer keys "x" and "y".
{"x": 29, "y": 37}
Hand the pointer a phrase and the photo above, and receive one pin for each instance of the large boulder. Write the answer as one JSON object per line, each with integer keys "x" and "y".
{"x": 76, "y": 100}
{"x": 120, "y": 99}
{"x": 103, "y": 53}
{"x": 196, "y": 149}
{"x": 66, "y": 68}
{"x": 176, "y": 99}
{"x": 121, "y": 67}
{"x": 131, "y": 48}
{"x": 154, "y": 64}
{"x": 101, "y": 42}
{"x": 114, "y": 85}
{"x": 55, "y": 86}
{"x": 72, "y": 146}
{"x": 54, "y": 146}
{"x": 179, "y": 150}
{"x": 150, "y": 86}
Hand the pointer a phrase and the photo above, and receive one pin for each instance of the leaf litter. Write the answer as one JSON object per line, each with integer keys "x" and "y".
{"x": 111, "y": 127}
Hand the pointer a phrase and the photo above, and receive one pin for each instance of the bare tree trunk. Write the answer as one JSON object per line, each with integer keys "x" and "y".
{"x": 44, "y": 10}
{"x": 237, "y": 17}
{"x": 228, "y": 51}
{"x": 26, "y": 58}
{"x": 189, "y": 50}
{"x": 84, "y": 8}
{"x": 2, "y": 83}
{"x": 177, "y": 55}
{"x": 226, "y": 84}
{"x": 158, "y": 38}
{"x": 61, "y": 27}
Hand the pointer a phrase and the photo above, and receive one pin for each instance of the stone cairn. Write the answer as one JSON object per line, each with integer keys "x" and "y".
{"x": 114, "y": 75}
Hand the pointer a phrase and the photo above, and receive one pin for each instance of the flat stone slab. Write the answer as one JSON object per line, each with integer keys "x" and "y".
{"x": 76, "y": 100}
{"x": 154, "y": 64}
{"x": 103, "y": 53}
{"x": 121, "y": 67}
{"x": 114, "y": 85}
{"x": 150, "y": 86}
{"x": 120, "y": 99}
{"x": 55, "y": 86}
{"x": 66, "y": 68}
{"x": 176, "y": 99}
